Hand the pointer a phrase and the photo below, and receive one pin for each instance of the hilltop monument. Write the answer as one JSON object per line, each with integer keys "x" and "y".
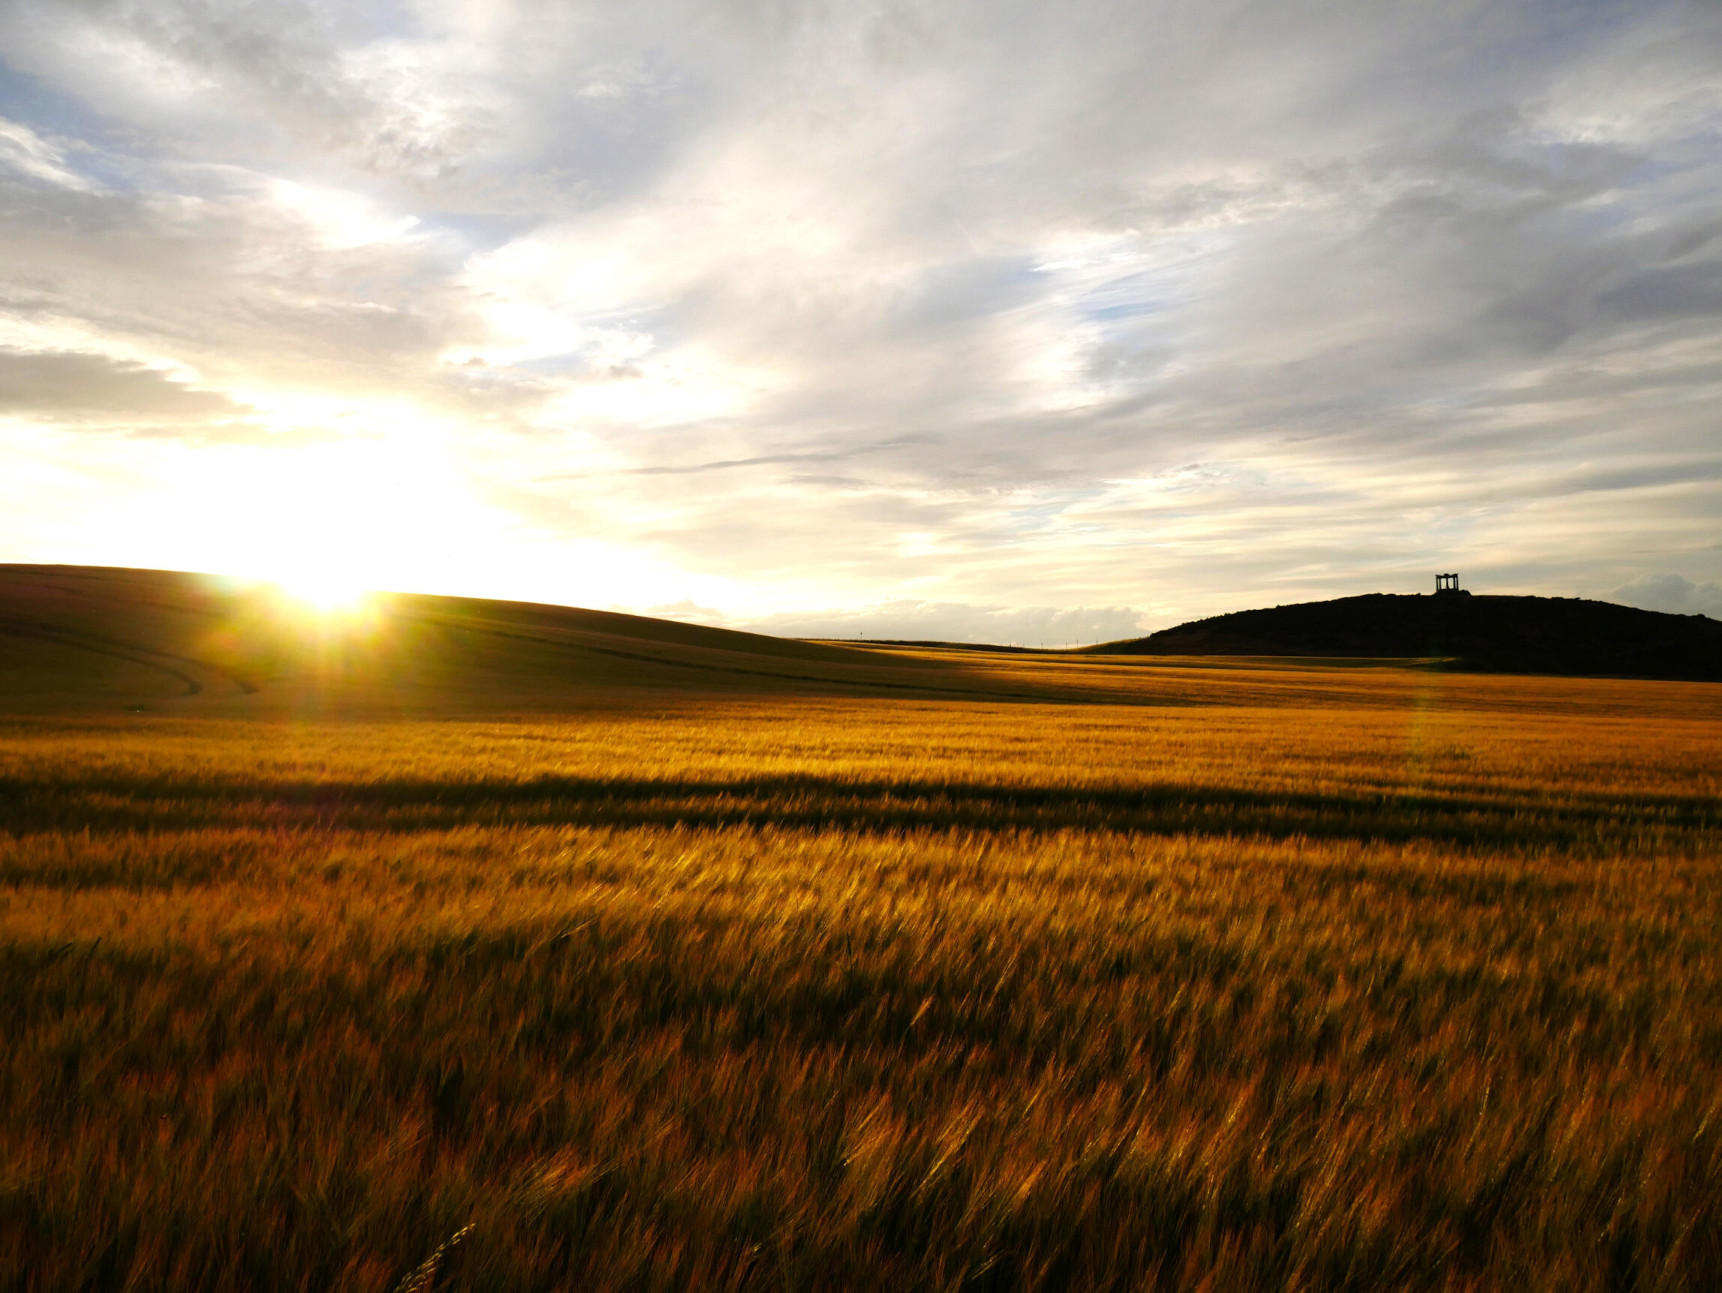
{"x": 1447, "y": 584}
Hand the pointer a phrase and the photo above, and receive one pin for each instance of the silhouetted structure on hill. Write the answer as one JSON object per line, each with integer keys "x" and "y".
{"x": 1447, "y": 584}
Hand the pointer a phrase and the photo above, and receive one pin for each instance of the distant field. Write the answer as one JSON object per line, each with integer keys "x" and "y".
{"x": 1028, "y": 972}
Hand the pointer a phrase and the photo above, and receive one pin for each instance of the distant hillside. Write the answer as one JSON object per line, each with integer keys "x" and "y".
{"x": 1558, "y": 635}
{"x": 84, "y": 637}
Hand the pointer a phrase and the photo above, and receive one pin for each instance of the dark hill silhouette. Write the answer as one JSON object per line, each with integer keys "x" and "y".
{"x": 1554, "y": 635}
{"x": 86, "y": 637}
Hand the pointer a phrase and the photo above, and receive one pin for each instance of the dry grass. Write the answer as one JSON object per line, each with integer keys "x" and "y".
{"x": 1413, "y": 989}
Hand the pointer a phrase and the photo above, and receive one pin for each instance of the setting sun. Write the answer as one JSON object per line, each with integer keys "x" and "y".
{"x": 325, "y": 591}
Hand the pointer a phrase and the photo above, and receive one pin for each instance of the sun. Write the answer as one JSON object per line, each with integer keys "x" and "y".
{"x": 328, "y": 592}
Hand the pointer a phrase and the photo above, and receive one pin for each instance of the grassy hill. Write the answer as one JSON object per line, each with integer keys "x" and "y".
{"x": 1557, "y": 635}
{"x": 76, "y": 637}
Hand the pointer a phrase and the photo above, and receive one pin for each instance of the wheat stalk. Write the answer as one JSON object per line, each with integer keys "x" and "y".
{"x": 421, "y": 1279}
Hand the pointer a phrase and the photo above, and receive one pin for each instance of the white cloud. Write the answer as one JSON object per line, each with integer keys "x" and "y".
{"x": 340, "y": 221}
{"x": 1670, "y": 593}
{"x": 905, "y": 619}
{"x": 949, "y": 307}
{"x": 28, "y": 153}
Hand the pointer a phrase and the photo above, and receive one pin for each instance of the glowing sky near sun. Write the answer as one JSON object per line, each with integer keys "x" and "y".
{"x": 992, "y": 320}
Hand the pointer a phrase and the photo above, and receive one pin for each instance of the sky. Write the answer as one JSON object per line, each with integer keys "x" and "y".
{"x": 980, "y": 320}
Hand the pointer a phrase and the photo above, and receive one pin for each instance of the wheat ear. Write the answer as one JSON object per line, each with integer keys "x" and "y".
{"x": 420, "y": 1279}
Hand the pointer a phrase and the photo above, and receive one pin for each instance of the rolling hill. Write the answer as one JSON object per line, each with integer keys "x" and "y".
{"x": 76, "y": 638}
{"x": 79, "y": 639}
{"x": 1552, "y": 635}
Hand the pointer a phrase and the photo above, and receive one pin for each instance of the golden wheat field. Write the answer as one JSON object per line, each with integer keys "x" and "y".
{"x": 517, "y": 950}
{"x": 1418, "y": 990}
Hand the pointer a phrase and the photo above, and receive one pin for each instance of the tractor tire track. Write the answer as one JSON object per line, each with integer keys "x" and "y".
{"x": 132, "y": 652}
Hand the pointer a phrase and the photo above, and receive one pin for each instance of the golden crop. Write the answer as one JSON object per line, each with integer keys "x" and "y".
{"x": 1259, "y": 979}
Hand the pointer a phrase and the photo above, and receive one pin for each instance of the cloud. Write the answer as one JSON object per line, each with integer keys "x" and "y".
{"x": 72, "y": 385}
{"x": 27, "y": 153}
{"x": 946, "y": 305}
{"x": 904, "y": 619}
{"x": 1670, "y": 593}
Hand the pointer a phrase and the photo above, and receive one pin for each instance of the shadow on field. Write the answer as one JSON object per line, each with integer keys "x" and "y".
{"x": 1574, "y": 823}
